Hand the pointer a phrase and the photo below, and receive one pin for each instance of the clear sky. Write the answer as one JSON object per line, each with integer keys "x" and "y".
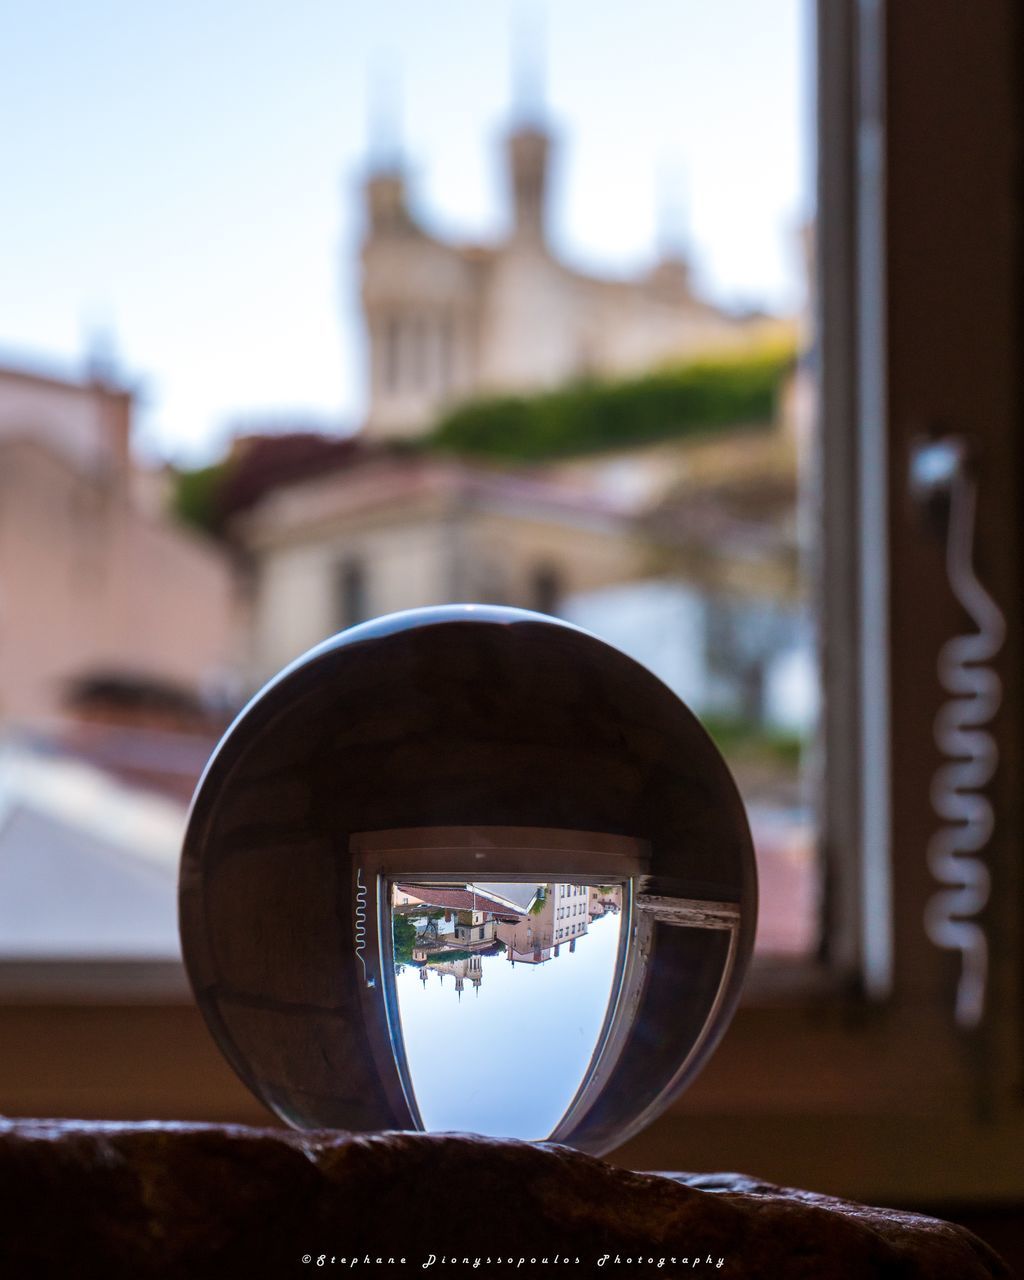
{"x": 507, "y": 1059}
{"x": 185, "y": 174}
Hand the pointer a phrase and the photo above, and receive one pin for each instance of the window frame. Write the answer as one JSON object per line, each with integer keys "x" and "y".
{"x": 853, "y": 844}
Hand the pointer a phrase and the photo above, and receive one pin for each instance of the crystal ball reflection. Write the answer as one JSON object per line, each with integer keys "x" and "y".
{"x": 467, "y": 868}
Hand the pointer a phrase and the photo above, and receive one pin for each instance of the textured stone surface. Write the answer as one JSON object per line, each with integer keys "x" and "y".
{"x": 163, "y": 1200}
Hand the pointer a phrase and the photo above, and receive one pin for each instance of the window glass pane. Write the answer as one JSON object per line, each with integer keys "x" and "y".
{"x": 547, "y": 347}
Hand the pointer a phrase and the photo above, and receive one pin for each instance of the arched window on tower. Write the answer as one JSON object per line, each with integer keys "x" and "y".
{"x": 546, "y": 589}
{"x": 351, "y": 600}
{"x": 392, "y": 361}
{"x": 420, "y": 343}
{"x": 446, "y": 352}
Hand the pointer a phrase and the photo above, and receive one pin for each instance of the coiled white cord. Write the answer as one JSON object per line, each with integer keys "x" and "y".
{"x": 971, "y": 757}
{"x": 360, "y": 925}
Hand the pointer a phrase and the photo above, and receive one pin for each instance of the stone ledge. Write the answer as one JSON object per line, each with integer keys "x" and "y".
{"x": 168, "y": 1201}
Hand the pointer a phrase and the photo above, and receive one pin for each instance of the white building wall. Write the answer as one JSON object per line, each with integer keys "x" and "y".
{"x": 297, "y": 599}
{"x": 69, "y": 419}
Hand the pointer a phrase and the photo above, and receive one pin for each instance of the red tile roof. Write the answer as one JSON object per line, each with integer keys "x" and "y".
{"x": 454, "y": 899}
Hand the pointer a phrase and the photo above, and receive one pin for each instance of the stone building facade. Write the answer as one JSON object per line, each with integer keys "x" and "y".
{"x": 389, "y": 533}
{"x": 446, "y": 321}
{"x": 94, "y": 578}
{"x": 663, "y": 548}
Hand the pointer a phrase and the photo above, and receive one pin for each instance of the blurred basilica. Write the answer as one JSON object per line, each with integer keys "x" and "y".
{"x": 447, "y": 322}
{"x": 392, "y": 526}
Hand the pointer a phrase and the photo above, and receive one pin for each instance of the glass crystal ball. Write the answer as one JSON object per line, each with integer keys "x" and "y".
{"x": 467, "y": 868}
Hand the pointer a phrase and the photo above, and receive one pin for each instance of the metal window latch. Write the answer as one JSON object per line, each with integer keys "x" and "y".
{"x": 943, "y": 483}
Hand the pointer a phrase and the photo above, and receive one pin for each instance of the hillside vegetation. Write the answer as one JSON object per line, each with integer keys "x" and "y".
{"x": 692, "y": 399}
{"x": 586, "y": 417}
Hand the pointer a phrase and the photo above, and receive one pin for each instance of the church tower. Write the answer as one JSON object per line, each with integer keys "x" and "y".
{"x": 528, "y": 142}
{"x": 528, "y": 149}
{"x": 387, "y": 207}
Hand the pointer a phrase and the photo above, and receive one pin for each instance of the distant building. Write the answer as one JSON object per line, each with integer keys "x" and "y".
{"x": 471, "y": 900}
{"x": 474, "y": 929}
{"x": 720, "y": 613}
{"x": 537, "y": 937}
{"x": 448, "y": 321}
{"x": 604, "y": 900}
{"x": 470, "y": 967}
{"x": 390, "y": 533}
{"x": 95, "y": 582}
{"x": 384, "y": 527}
{"x": 684, "y": 553}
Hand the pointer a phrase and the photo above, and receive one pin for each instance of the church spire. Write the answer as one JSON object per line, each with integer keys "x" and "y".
{"x": 386, "y": 194}
{"x": 673, "y": 213}
{"x": 527, "y": 46}
{"x": 528, "y": 142}
{"x": 670, "y": 276}
{"x": 384, "y": 115}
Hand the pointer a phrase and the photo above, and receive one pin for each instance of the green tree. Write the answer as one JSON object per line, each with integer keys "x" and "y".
{"x": 403, "y": 933}
{"x": 194, "y": 497}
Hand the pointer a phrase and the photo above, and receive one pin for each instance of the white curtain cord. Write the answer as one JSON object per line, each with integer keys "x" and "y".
{"x": 971, "y": 755}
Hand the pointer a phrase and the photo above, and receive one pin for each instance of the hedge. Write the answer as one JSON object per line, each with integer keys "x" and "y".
{"x": 586, "y": 417}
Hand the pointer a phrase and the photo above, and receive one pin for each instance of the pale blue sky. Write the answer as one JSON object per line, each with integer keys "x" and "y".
{"x": 185, "y": 173}
{"x": 507, "y": 1059}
